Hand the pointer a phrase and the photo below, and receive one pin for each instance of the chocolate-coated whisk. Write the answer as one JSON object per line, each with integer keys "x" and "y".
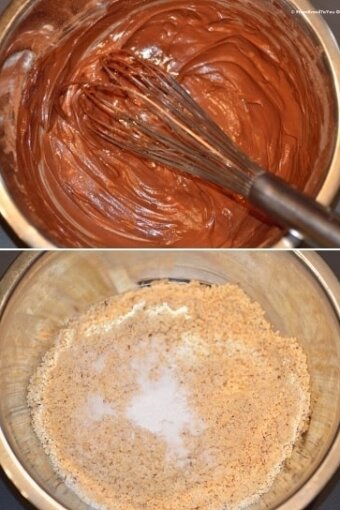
{"x": 145, "y": 111}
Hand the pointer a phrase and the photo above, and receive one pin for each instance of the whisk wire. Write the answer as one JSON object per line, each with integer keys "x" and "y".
{"x": 181, "y": 125}
{"x": 195, "y": 160}
{"x": 138, "y": 108}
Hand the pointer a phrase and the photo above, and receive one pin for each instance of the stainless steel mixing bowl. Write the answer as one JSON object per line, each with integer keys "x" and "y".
{"x": 21, "y": 223}
{"x": 40, "y": 292}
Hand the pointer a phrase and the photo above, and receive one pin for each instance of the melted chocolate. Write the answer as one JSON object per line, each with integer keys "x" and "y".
{"x": 247, "y": 63}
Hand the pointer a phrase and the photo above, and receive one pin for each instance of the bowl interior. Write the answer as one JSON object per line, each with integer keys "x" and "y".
{"x": 19, "y": 49}
{"x": 57, "y": 285}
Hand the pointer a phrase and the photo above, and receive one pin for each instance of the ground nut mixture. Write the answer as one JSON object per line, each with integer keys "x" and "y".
{"x": 172, "y": 397}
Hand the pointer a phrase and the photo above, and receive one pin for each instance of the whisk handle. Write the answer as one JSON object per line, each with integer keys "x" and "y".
{"x": 293, "y": 209}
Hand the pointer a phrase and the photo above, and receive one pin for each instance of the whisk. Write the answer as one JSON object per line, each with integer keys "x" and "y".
{"x": 144, "y": 110}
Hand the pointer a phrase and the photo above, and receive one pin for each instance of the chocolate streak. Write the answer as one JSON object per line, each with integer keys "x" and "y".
{"x": 247, "y": 63}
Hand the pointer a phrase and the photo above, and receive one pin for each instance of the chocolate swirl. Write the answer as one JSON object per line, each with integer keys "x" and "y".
{"x": 250, "y": 66}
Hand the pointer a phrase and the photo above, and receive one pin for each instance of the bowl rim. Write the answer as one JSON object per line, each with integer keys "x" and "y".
{"x": 329, "y": 189}
{"x": 31, "y": 490}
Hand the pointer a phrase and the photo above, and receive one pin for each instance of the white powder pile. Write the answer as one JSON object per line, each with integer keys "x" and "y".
{"x": 96, "y": 408}
{"x": 161, "y": 406}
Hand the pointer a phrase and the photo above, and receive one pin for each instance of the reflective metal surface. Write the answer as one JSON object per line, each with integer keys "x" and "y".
{"x": 28, "y": 233}
{"x": 299, "y": 294}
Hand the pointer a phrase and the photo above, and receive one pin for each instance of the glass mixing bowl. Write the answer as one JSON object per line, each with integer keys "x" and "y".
{"x": 40, "y": 292}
